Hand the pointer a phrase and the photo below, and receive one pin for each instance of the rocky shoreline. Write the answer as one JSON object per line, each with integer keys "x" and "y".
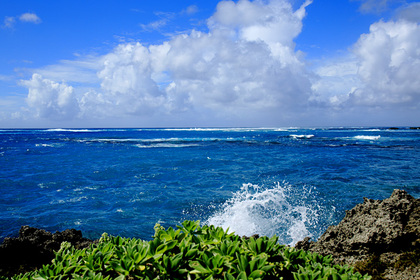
{"x": 35, "y": 247}
{"x": 379, "y": 237}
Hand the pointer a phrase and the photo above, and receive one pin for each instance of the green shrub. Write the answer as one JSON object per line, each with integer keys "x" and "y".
{"x": 189, "y": 252}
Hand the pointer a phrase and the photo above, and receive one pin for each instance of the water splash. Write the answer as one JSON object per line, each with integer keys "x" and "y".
{"x": 281, "y": 210}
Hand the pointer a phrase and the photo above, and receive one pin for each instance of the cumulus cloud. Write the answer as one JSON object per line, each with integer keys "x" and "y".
{"x": 127, "y": 79}
{"x": 389, "y": 64}
{"x": 50, "y": 99}
{"x": 245, "y": 70}
{"x": 244, "y": 64}
{"x": 380, "y": 75}
{"x": 274, "y": 23}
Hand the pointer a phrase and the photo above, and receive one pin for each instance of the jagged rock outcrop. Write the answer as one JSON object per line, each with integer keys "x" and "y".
{"x": 35, "y": 247}
{"x": 380, "y": 237}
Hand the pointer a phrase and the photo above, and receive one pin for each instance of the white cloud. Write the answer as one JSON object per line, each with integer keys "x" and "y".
{"x": 337, "y": 78}
{"x": 126, "y": 79}
{"x": 9, "y": 22}
{"x": 244, "y": 71}
{"x": 274, "y": 23}
{"x": 82, "y": 71}
{"x": 389, "y": 64}
{"x": 233, "y": 76}
{"x": 241, "y": 68}
{"x": 379, "y": 82}
{"x": 50, "y": 99}
{"x": 190, "y": 10}
{"x": 155, "y": 25}
{"x": 30, "y": 17}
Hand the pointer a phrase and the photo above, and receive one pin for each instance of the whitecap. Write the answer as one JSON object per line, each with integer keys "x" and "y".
{"x": 45, "y": 145}
{"x": 367, "y": 137}
{"x": 70, "y": 130}
{"x": 165, "y": 145}
{"x": 70, "y": 200}
{"x": 302, "y": 136}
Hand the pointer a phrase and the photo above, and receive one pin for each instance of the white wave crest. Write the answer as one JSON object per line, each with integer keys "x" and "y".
{"x": 45, "y": 145}
{"x": 302, "y": 136}
{"x": 71, "y": 130}
{"x": 367, "y": 137}
{"x": 268, "y": 212}
{"x": 165, "y": 145}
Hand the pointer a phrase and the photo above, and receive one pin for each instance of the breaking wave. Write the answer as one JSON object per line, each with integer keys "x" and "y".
{"x": 281, "y": 210}
{"x": 303, "y": 136}
{"x": 367, "y": 137}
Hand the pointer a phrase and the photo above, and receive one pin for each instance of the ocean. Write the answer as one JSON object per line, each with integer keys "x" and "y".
{"x": 289, "y": 182}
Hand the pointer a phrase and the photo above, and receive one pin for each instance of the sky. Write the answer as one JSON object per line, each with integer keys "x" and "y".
{"x": 189, "y": 63}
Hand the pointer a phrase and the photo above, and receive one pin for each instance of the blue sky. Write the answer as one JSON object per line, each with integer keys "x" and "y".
{"x": 209, "y": 63}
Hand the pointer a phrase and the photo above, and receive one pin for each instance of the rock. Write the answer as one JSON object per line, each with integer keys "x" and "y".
{"x": 34, "y": 248}
{"x": 379, "y": 237}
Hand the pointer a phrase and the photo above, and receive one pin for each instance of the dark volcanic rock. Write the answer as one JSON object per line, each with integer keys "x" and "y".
{"x": 35, "y": 247}
{"x": 378, "y": 234}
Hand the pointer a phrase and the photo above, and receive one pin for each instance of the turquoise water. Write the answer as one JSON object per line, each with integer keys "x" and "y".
{"x": 290, "y": 182}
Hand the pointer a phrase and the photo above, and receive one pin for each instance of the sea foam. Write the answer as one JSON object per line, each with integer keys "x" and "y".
{"x": 302, "y": 136}
{"x": 367, "y": 137}
{"x": 268, "y": 211}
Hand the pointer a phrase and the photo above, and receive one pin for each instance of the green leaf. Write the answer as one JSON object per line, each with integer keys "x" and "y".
{"x": 257, "y": 274}
{"x": 229, "y": 276}
{"x": 40, "y": 278}
{"x": 171, "y": 244}
{"x": 121, "y": 277}
{"x": 199, "y": 268}
{"x": 261, "y": 245}
{"x": 191, "y": 253}
{"x": 175, "y": 261}
{"x": 243, "y": 262}
{"x": 242, "y": 276}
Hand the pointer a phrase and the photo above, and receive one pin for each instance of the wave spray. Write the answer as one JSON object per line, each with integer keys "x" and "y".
{"x": 280, "y": 210}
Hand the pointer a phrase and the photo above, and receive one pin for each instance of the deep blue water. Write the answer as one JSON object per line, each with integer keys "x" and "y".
{"x": 290, "y": 182}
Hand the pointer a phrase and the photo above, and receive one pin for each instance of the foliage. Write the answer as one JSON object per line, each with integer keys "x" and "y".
{"x": 189, "y": 252}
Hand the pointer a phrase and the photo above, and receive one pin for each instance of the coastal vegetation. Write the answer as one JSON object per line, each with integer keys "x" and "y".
{"x": 190, "y": 251}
